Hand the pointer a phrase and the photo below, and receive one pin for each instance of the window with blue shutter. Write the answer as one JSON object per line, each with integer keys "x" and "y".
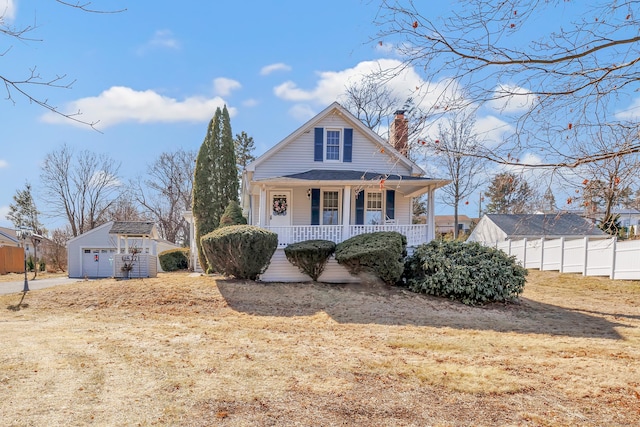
{"x": 318, "y": 144}
{"x": 315, "y": 206}
{"x": 360, "y": 208}
{"x": 348, "y": 144}
{"x": 390, "y": 211}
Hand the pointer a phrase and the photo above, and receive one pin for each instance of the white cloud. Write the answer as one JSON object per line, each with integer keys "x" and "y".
{"x": 250, "y": 102}
{"x": 512, "y": 99}
{"x": 331, "y": 84}
{"x": 302, "y": 112}
{"x": 120, "y": 104}
{"x": 3, "y": 163}
{"x": 8, "y": 9}
{"x": 631, "y": 113}
{"x": 492, "y": 130}
{"x": 268, "y": 69}
{"x": 223, "y": 86}
{"x": 161, "y": 39}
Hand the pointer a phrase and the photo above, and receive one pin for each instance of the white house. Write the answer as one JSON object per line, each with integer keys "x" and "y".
{"x": 334, "y": 178}
{"x": 446, "y": 223}
{"x": 103, "y": 251}
{"x": 494, "y": 228}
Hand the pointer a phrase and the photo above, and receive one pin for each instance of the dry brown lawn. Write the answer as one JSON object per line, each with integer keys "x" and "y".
{"x": 17, "y": 277}
{"x": 202, "y": 351}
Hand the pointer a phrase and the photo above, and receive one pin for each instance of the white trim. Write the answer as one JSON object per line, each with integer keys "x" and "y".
{"x": 333, "y": 190}
{"x": 325, "y": 138}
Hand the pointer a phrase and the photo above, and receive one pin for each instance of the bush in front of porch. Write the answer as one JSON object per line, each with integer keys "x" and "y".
{"x": 310, "y": 256}
{"x": 241, "y": 251}
{"x": 381, "y": 253}
{"x": 174, "y": 259}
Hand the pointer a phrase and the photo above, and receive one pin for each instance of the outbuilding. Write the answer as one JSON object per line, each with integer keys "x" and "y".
{"x": 103, "y": 251}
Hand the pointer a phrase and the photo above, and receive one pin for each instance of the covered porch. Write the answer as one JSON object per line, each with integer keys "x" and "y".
{"x": 336, "y": 205}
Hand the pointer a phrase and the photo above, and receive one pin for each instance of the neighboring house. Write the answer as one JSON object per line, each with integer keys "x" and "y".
{"x": 8, "y": 237}
{"x": 334, "y": 178}
{"x": 493, "y": 228}
{"x": 445, "y": 224}
{"x": 101, "y": 252}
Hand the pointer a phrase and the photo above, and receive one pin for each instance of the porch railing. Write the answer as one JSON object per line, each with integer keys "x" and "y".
{"x": 416, "y": 233}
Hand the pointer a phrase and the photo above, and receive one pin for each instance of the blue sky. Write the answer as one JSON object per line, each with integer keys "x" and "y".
{"x": 154, "y": 74}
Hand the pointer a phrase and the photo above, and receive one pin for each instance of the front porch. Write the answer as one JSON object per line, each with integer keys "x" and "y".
{"x": 416, "y": 233}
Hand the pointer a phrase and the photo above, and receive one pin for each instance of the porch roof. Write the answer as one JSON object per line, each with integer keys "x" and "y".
{"x": 133, "y": 228}
{"x": 411, "y": 186}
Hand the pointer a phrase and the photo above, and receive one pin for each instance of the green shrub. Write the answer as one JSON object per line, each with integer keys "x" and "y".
{"x": 174, "y": 259}
{"x": 232, "y": 215}
{"x": 31, "y": 265}
{"x": 310, "y": 256}
{"x": 466, "y": 272}
{"x": 381, "y": 253}
{"x": 42, "y": 265}
{"x": 241, "y": 251}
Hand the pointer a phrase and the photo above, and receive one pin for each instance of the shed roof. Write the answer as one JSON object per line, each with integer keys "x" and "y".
{"x": 558, "y": 224}
{"x": 132, "y": 228}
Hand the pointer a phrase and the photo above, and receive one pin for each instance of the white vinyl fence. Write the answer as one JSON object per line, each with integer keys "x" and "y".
{"x": 595, "y": 257}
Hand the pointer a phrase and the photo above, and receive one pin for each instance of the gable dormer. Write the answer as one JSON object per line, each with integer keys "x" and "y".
{"x": 333, "y": 144}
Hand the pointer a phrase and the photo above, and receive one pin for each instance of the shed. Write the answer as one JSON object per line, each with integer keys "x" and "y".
{"x": 494, "y": 228}
{"x": 102, "y": 251}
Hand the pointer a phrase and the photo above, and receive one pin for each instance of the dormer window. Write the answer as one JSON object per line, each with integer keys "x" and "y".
{"x": 333, "y": 144}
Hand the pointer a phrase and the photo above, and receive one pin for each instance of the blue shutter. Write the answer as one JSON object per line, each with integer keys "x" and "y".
{"x": 315, "y": 206}
{"x": 391, "y": 204}
{"x": 318, "y": 144}
{"x": 360, "y": 208}
{"x": 348, "y": 144}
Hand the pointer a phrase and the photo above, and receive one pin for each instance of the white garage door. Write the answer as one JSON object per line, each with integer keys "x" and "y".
{"x": 98, "y": 262}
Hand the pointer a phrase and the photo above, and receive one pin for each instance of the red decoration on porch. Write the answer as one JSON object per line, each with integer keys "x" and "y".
{"x": 381, "y": 184}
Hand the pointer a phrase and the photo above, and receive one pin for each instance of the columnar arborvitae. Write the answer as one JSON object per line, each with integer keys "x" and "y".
{"x": 215, "y": 180}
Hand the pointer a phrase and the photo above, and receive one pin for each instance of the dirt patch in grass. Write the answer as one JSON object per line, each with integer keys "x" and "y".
{"x": 199, "y": 351}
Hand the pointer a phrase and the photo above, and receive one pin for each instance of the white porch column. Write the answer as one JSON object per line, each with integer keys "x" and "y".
{"x": 431, "y": 216}
{"x": 118, "y": 240}
{"x": 346, "y": 212}
{"x": 126, "y": 244}
{"x": 262, "y": 217}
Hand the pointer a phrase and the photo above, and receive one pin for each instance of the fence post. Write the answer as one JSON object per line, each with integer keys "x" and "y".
{"x": 562, "y": 254}
{"x": 524, "y": 253}
{"x": 612, "y": 275}
{"x": 586, "y": 255}
{"x": 509, "y": 247}
{"x": 541, "y": 253}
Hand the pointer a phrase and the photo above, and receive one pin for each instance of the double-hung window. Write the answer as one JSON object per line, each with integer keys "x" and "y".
{"x": 332, "y": 145}
{"x": 330, "y": 208}
{"x": 373, "y": 211}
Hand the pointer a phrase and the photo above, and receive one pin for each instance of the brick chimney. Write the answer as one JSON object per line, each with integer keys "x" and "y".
{"x": 399, "y": 133}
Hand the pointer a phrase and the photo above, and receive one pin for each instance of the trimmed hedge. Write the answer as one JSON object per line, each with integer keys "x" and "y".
{"x": 174, "y": 259}
{"x": 310, "y": 256}
{"x": 381, "y": 253}
{"x": 232, "y": 215}
{"x": 467, "y": 272}
{"x": 241, "y": 251}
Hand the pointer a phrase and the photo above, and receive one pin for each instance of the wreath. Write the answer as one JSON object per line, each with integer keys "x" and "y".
{"x": 280, "y": 206}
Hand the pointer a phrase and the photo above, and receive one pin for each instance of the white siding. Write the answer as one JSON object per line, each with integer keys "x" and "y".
{"x": 281, "y": 270}
{"x": 297, "y": 155}
{"x": 487, "y": 232}
{"x": 97, "y": 238}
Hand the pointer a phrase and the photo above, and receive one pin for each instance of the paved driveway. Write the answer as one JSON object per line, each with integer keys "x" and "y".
{"x": 13, "y": 287}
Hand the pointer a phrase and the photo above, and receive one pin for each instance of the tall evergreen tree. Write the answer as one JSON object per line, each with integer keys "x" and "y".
{"x": 510, "y": 194}
{"x": 244, "y": 151}
{"x": 215, "y": 178}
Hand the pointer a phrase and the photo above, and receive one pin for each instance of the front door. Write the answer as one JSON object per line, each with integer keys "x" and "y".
{"x": 280, "y": 208}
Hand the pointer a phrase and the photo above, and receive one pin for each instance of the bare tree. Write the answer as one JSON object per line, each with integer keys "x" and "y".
{"x": 24, "y": 83}
{"x": 509, "y": 193}
{"x": 166, "y": 193}
{"x": 80, "y": 188}
{"x": 608, "y": 182}
{"x": 455, "y": 137}
{"x": 125, "y": 208}
{"x": 558, "y": 86}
